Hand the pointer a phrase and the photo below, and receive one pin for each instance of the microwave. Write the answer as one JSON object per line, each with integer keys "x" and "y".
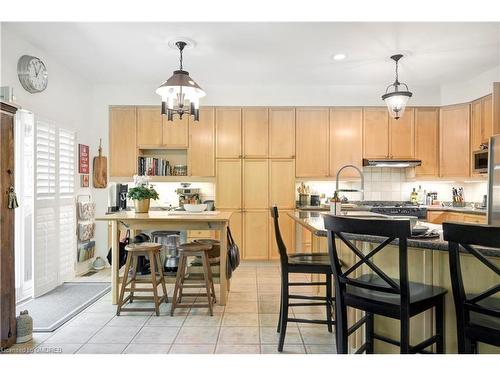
{"x": 480, "y": 159}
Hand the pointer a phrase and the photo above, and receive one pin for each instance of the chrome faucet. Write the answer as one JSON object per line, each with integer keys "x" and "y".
{"x": 362, "y": 190}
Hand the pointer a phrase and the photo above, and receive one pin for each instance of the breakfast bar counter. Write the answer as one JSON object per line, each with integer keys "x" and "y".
{"x": 427, "y": 263}
{"x": 168, "y": 220}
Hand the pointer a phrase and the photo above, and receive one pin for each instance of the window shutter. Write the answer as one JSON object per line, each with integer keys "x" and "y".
{"x": 66, "y": 164}
{"x": 45, "y": 161}
{"x": 67, "y": 241}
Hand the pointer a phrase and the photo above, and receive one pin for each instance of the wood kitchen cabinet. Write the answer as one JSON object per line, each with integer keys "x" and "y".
{"x": 427, "y": 141}
{"x": 201, "y": 152}
{"x": 346, "y": 139}
{"x": 481, "y": 122}
{"x": 256, "y": 183}
{"x": 439, "y": 217}
{"x": 375, "y": 133}
{"x": 228, "y": 183}
{"x": 236, "y": 225}
{"x": 281, "y": 132}
{"x": 454, "y": 141}
{"x": 122, "y": 141}
{"x": 402, "y": 136}
{"x": 282, "y": 183}
{"x": 287, "y": 230}
{"x": 312, "y": 142}
{"x": 256, "y": 234}
{"x": 153, "y": 129}
{"x": 228, "y": 132}
{"x": 255, "y": 132}
{"x": 175, "y": 133}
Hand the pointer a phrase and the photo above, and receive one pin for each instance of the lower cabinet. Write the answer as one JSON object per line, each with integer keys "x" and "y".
{"x": 236, "y": 227}
{"x": 287, "y": 230}
{"x": 256, "y": 234}
{"x": 439, "y": 217}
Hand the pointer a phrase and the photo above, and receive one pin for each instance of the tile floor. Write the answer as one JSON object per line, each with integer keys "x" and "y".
{"x": 246, "y": 325}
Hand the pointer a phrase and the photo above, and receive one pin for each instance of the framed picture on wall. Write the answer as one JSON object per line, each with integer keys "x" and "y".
{"x": 84, "y": 180}
{"x": 83, "y": 159}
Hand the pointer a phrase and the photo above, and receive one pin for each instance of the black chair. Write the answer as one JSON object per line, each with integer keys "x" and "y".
{"x": 376, "y": 293}
{"x": 317, "y": 263}
{"x": 478, "y": 314}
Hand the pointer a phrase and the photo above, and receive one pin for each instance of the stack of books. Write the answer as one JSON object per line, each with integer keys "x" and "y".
{"x": 151, "y": 166}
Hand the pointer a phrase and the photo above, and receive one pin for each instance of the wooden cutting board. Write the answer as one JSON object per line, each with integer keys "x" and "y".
{"x": 100, "y": 169}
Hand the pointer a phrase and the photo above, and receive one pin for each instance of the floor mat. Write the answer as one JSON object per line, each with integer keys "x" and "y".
{"x": 56, "y": 307}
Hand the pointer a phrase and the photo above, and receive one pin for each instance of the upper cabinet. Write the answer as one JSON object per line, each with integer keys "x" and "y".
{"x": 454, "y": 141}
{"x": 427, "y": 141}
{"x": 281, "y": 132}
{"x": 376, "y": 133}
{"x": 255, "y": 132}
{"x": 402, "y": 136}
{"x": 312, "y": 142}
{"x": 346, "y": 139}
{"x": 202, "y": 144}
{"x": 122, "y": 141}
{"x": 228, "y": 184}
{"x": 481, "y": 121}
{"x": 282, "y": 183}
{"x": 228, "y": 132}
{"x": 153, "y": 130}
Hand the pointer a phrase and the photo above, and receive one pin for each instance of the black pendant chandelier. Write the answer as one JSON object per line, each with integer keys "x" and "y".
{"x": 396, "y": 98}
{"x": 180, "y": 94}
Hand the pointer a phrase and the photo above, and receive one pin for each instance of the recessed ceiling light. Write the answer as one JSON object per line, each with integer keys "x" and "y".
{"x": 339, "y": 56}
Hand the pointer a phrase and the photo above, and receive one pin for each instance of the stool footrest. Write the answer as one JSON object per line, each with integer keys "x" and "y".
{"x": 191, "y": 286}
{"x": 313, "y": 321}
{"x": 309, "y": 304}
{"x": 312, "y": 298}
{"x": 139, "y": 290}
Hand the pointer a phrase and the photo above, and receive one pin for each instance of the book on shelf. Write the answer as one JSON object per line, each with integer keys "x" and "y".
{"x": 153, "y": 166}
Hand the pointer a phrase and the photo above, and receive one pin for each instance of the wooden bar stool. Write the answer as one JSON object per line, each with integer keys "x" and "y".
{"x": 193, "y": 250}
{"x": 134, "y": 251}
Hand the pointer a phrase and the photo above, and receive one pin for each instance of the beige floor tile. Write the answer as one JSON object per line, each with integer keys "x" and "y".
{"x": 46, "y": 348}
{"x": 156, "y": 335}
{"x": 204, "y": 310}
{"x": 242, "y": 306}
{"x": 197, "y": 335}
{"x": 73, "y": 335}
{"x": 102, "y": 307}
{"x": 147, "y": 349}
{"x": 237, "y": 349}
{"x": 91, "y": 319}
{"x": 192, "y": 349}
{"x": 239, "y": 335}
{"x": 114, "y": 335}
{"x": 205, "y": 320}
{"x": 317, "y": 335}
{"x": 242, "y": 296}
{"x": 101, "y": 349}
{"x": 287, "y": 349}
{"x": 302, "y": 310}
{"x": 269, "y": 307}
{"x": 240, "y": 319}
{"x": 166, "y": 321}
{"x": 129, "y": 320}
{"x": 243, "y": 287}
{"x": 321, "y": 349}
{"x": 268, "y": 335}
{"x": 271, "y": 320}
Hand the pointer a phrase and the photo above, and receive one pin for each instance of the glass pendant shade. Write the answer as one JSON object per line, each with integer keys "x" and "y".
{"x": 395, "y": 98}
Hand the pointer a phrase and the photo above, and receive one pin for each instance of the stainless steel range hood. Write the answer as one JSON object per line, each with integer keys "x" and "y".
{"x": 392, "y": 163}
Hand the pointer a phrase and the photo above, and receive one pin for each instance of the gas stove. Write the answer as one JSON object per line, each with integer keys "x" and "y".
{"x": 399, "y": 209}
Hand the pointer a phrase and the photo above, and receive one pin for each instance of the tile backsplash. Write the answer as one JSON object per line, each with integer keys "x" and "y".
{"x": 391, "y": 184}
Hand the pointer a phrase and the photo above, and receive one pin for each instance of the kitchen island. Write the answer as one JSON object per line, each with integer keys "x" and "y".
{"x": 167, "y": 220}
{"x": 427, "y": 263}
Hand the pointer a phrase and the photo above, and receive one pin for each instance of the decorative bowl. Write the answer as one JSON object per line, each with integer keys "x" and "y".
{"x": 195, "y": 207}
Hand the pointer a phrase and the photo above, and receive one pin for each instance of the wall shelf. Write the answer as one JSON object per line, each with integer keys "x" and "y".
{"x": 167, "y": 179}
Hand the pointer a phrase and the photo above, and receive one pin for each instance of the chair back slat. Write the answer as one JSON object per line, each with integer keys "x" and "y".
{"x": 279, "y": 239}
{"x": 463, "y": 239}
{"x": 339, "y": 227}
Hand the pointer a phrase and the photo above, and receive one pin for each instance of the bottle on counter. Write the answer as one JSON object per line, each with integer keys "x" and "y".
{"x": 420, "y": 195}
{"x": 414, "y": 196}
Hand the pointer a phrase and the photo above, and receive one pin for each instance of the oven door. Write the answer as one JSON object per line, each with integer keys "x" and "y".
{"x": 480, "y": 161}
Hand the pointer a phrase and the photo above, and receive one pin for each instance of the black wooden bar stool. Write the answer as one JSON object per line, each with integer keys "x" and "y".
{"x": 376, "y": 293}
{"x": 478, "y": 314}
{"x": 317, "y": 263}
{"x": 134, "y": 251}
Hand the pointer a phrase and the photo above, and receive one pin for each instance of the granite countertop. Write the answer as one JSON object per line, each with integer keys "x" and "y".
{"x": 313, "y": 221}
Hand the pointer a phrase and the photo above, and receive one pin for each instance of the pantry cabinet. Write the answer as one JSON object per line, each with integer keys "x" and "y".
{"x": 236, "y": 226}
{"x": 427, "y": 141}
{"x": 153, "y": 129}
{"x": 256, "y": 234}
{"x": 228, "y": 132}
{"x": 402, "y": 136}
{"x": 122, "y": 141}
{"x": 375, "y": 133}
{"x": 255, "y": 183}
{"x": 201, "y": 152}
{"x": 312, "y": 142}
{"x": 346, "y": 140}
{"x": 287, "y": 230}
{"x": 255, "y": 132}
{"x": 282, "y": 183}
{"x": 228, "y": 183}
{"x": 281, "y": 132}
{"x": 454, "y": 141}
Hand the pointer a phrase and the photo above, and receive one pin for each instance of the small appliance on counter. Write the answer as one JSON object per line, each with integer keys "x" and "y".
{"x": 117, "y": 197}
{"x": 315, "y": 200}
{"x": 187, "y": 195}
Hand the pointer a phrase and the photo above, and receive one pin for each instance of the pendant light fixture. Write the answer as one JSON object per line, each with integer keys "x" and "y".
{"x": 394, "y": 96}
{"x": 180, "y": 94}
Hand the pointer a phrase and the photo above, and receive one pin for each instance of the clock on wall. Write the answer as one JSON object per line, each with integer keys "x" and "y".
{"x": 32, "y": 74}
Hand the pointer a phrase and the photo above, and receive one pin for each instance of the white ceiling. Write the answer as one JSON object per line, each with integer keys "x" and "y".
{"x": 271, "y": 53}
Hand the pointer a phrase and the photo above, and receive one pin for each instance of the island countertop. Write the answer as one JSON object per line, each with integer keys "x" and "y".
{"x": 313, "y": 221}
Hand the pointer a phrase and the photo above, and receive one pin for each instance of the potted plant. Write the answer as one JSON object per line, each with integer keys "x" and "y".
{"x": 142, "y": 193}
